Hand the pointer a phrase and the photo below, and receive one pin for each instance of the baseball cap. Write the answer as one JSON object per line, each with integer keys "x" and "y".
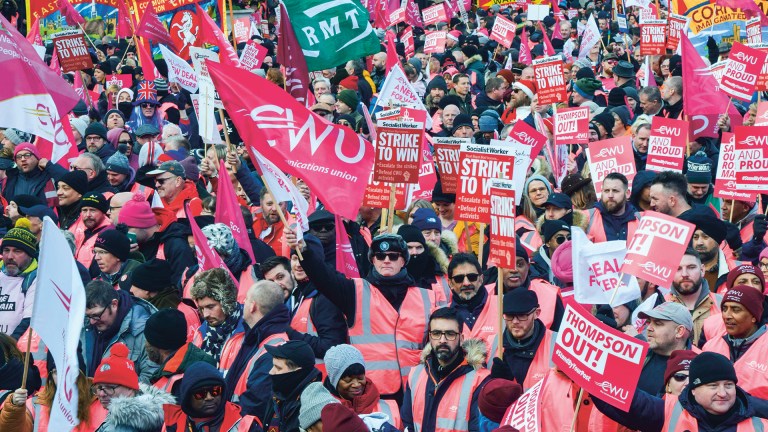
{"x": 298, "y": 352}
{"x": 670, "y": 311}
{"x": 173, "y": 167}
{"x": 559, "y": 200}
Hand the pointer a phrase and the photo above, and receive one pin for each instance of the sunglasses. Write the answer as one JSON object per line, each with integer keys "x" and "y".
{"x": 680, "y": 377}
{"x": 560, "y": 239}
{"x": 515, "y": 90}
{"x": 200, "y": 394}
{"x": 322, "y": 227}
{"x": 381, "y": 256}
{"x": 147, "y": 105}
{"x": 162, "y": 181}
{"x": 129, "y": 142}
{"x": 460, "y": 278}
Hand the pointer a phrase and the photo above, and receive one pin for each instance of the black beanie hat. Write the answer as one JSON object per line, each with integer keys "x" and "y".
{"x": 552, "y": 227}
{"x": 166, "y": 329}
{"x": 95, "y": 200}
{"x": 709, "y": 367}
{"x": 461, "y": 120}
{"x": 114, "y": 242}
{"x": 410, "y": 233}
{"x": 616, "y": 97}
{"x": 96, "y": 128}
{"x": 77, "y": 180}
{"x": 153, "y": 275}
{"x": 388, "y": 243}
{"x": 606, "y": 119}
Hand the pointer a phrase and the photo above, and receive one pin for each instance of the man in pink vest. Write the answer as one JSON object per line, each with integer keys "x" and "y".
{"x": 93, "y": 220}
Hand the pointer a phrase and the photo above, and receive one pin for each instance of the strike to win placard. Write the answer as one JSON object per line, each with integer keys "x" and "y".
{"x": 447, "y": 157}
{"x": 611, "y": 155}
{"x": 653, "y": 37}
{"x": 572, "y": 126}
{"x": 72, "y": 51}
{"x": 398, "y": 151}
{"x": 502, "y": 247}
{"x": 550, "y": 82}
{"x": 666, "y": 144}
{"x": 478, "y": 164}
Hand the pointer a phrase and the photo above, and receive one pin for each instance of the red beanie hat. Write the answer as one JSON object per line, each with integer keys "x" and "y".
{"x": 137, "y": 213}
{"x": 680, "y": 360}
{"x": 349, "y": 83}
{"x": 117, "y": 368}
{"x": 28, "y": 147}
{"x": 496, "y": 396}
{"x": 744, "y": 269}
{"x": 747, "y": 296}
{"x": 338, "y": 418}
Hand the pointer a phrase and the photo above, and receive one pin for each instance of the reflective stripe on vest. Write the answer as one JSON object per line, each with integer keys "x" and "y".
{"x": 751, "y": 367}
{"x": 38, "y": 350}
{"x": 242, "y": 382}
{"x": 678, "y": 420}
{"x": 542, "y": 360}
{"x": 37, "y": 420}
{"x": 166, "y": 384}
{"x": 302, "y": 322}
{"x": 442, "y": 290}
{"x": 487, "y": 324}
{"x": 229, "y": 352}
{"x": 547, "y": 294}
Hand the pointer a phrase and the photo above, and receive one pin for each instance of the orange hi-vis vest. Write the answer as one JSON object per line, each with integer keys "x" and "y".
{"x": 530, "y": 239}
{"x": 558, "y": 404}
{"x": 41, "y": 415}
{"x": 390, "y": 340}
{"x": 242, "y": 382}
{"x": 547, "y": 294}
{"x": 84, "y": 247}
{"x": 486, "y": 327}
{"x": 37, "y": 350}
{"x": 751, "y": 367}
{"x": 453, "y": 410}
{"x": 166, "y": 383}
{"x": 191, "y": 317}
{"x": 542, "y": 360}
{"x": 442, "y": 289}
{"x": 714, "y": 327}
{"x": 676, "y": 419}
{"x": 302, "y": 322}
{"x": 596, "y": 231}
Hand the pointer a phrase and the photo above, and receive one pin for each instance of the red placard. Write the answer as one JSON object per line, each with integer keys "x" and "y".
{"x": 657, "y": 235}
{"x": 667, "y": 143}
{"x": 242, "y": 28}
{"x": 252, "y": 56}
{"x": 611, "y": 155}
{"x": 398, "y": 151}
{"x": 397, "y": 16}
{"x": 752, "y": 163}
{"x": 741, "y": 72}
{"x": 762, "y": 114}
{"x": 525, "y": 414}
{"x": 477, "y": 165}
{"x": 675, "y": 26}
{"x": 503, "y": 31}
{"x": 121, "y": 80}
{"x": 434, "y": 42}
{"x": 725, "y": 182}
{"x": 550, "y": 82}
{"x": 524, "y": 134}
{"x": 603, "y": 361}
{"x": 434, "y": 14}
{"x": 653, "y": 37}
{"x": 407, "y": 39}
{"x": 572, "y": 126}
{"x": 377, "y": 195}
{"x": 762, "y": 79}
{"x": 72, "y": 50}
{"x": 447, "y": 157}
{"x": 502, "y": 243}
{"x": 754, "y": 31}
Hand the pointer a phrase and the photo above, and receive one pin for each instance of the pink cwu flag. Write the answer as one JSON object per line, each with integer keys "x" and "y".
{"x": 69, "y": 13}
{"x": 345, "y": 259}
{"x": 228, "y": 211}
{"x": 153, "y": 29}
{"x": 125, "y": 24}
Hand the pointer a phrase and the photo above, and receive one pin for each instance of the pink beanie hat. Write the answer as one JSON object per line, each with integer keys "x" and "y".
{"x": 136, "y": 213}
{"x": 562, "y": 263}
{"x": 113, "y": 135}
{"x": 763, "y": 254}
{"x": 28, "y": 147}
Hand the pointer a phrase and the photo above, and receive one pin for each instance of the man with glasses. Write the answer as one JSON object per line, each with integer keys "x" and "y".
{"x": 95, "y": 140}
{"x": 95, "y": 171}
{"x": 322, "y": 224}
{"x": 32, "y": 175}
{"x": 115, "y": 316}
{"x": 93, "y": 220}
{"x": 115, "y": 377}
{"x": 606, "y": 74}
{"x": 174, "y": 190}
{"x": 451, "y": 374}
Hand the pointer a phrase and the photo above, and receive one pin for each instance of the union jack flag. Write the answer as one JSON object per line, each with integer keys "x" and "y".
{"x": 146, "y": 91}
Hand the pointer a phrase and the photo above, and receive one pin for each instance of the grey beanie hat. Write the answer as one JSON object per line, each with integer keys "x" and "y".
{"x": 16, "y": 136}
{"x": 80, "y": 123}
{"x": 118, "y": 163}
{"x": 313, "y": 399}
{"x": 340, "y": 357}
{"x": 539, "y": 178}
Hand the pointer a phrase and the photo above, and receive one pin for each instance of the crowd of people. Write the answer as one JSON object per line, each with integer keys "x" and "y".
{"x": 281, "y": 340}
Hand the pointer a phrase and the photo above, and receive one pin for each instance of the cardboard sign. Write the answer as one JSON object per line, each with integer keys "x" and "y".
{"x": 717, "y": 70}
{"x": 407, "y": 39}
{"x": 752, "y": 164}
{"x": 603, "y": 361}
{"x": 524, "y": 134}
{"x": 653, "y": 37}
{"x": 762, "y": 79}
{"x": 502, "y": 243}
{"x": 377, "y": 195}
{"x": 676, "y": 25}
{"x": 252, "y": 56}
{"x": 666, "y": 145}
{"x": 741, "y": 72}
{"x": 762, "y": 114}
{"x": 447, "y": 157}
{"x": 503, "y": 31}
{"x": 611, "y": 155}
{"x": 522, "y": 154}
{"x": 72, "y": 50}
{"x": 525, "y": 414}
{"x": 397, "y": 16}
{"x": 550, "y": 82}
{"x": 478, "y": 164}
{"x": 657, "y": 235}
{"x": 242, "y": 28}
{"x": 434, "y": 42}
{"x": 121, "y": 80}
{"x": 647, "y": 14}
{"x": 427, "y": 177}
{"x": 725, "y": 181}
{"x": 754, "y": 32}
{"x": 572, "y": 126}
{"x": 398, "y": 151}
{"x": 434, "y": 14}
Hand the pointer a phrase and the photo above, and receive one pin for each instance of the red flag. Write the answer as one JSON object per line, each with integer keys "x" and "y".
{"x": 207, "y": 257}
{"x": 55, "y": 66}
{"x": 125, "y": 25}
{"x": 154, "y": 30}
{"x": 702, "y": 98}
{"x": 331, "y": 159}
{"x": 380, "y": 13}
{"x": 549, "y": 50}
{"x": 62, "y": 152}
{"x": 413, "y": 15}
{"x": 212, "y": 34}
{"x": 556, "y": 35}
{"x": 77, "y": 84}
{"x": 34, "y": 33}
{"x": 147, "y": 63}
{"x": 290, "y": 55}
{"x": 228, "y": 211}
{"x": 749, "y": 7}
{"x": 524, "y": 55}
{"x": 345, "y": 259}
{"x": 69, "y": 13}
{"x": 392, "y": 58}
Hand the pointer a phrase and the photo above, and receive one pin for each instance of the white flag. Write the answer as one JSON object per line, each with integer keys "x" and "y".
{"x": 283, "y": 189}
{"x": 179, "y": 71}
{"x": 58, "y": 319}
{"x": 397, "y": 91}
{"x": 590, "y": 38}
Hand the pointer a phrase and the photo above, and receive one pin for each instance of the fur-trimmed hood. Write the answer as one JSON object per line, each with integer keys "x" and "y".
{"x": 474, "y": 58}
{"x": 579, "y": 219}
{"x": 440, "y": 257}
{"x": 144, "y": 412}
{"x": 448, "y": 237}
{"x": 475, "y": 352}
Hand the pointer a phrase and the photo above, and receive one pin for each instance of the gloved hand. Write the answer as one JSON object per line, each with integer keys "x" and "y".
{"x": 500, "y": 369}
{"x": 759, "y": 228}
{"x": 733, "y": 236}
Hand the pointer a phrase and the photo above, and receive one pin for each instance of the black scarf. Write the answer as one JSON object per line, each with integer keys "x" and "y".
{"x": 215, "y": 336}
{"x": 394, "y": 288}
{"x": 284, "y": 384}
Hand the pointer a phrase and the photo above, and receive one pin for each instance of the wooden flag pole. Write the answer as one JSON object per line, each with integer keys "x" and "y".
{"x": 391, "y": 221}
{"x": 224, "y": 126}
{"x": 576, "y": 409}
{"x": 481, "y": 242}
{"x": 733, "y": 204}
{"x": 618, "y": 287}
{"x": 232, "y": 19}
{"x": 26, "y": 358}
{"x": 500, "y": 303}
{"x": 279, "y": 213}
{"x": 467, "y": 236}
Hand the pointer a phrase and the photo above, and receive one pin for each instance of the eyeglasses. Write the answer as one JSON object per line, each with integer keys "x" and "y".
{"x": 22, "y": 156}
{"x": 763, "y": 266}
{"x": 147, "y": 105}
{"x": 680, "y": 377}
{"x": 450, "y": 335}
{"x": 321, "y": 113}
{"x": 93, "y": 138}
{"x": 322, "y": 227}
{"x": 520, "y": 317}
{"x": 213, "y": 391}
{"x": 77, "y": 168}
{"x": 460, "y": 278}
{"x": 611, "y": 62}
{"x": 515, "y": 90}
{"x": 108, "y": 390}
{"x": 560, "y": 239}
{"x": 100, "y": 252}
{"x": 345, "y": 123}
{"x": 98, "y": 316}
{"x": 162, "y": 181}
{"x": 381, "y": 256}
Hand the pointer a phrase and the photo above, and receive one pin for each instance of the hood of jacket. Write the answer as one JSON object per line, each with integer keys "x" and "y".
{"x": 136, "y": 319}
{"x": 197, "y": 375}
{"x": 451, "y": 242}
{"x": 579, "y": 220}
{"x": 744, "y": 409}
{"x": 141, "y": 412}
{"x": 475, "y": 351}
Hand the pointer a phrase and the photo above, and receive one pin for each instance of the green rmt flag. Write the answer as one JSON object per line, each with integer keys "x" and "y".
{"x": 331, "y": 32}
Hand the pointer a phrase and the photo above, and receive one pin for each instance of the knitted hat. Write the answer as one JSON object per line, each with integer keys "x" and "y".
{"x": 338, "y": 418}
{"x": 198, "y": 375}
{"x": 606, "y": 120}
{"x": 166, "y": 329}
{"x": 113, "y": 111}
{"x": 454, "y": 34}
{"x": 77, "y": 180}
{"x": 623, "y": 113}
{"x": 709, "y": 367}
{"x": 750, "y": 298}
{"x": 520, "y": 301}
{"x": 587, "y": 87}
{"x": 80, "y": 109}
{"x": 28, "y": 147}
{"x": 161, "y": 84}
{"x": 562, "y": 262}
{"x": 338, "y": 359}
{"x": 520, "y": 251}
{"x": 349, "y": 97}
{"x": 388, "y": 243}
{"x": 114, "y": 242}
{"x": 680, "y": 360}
{"x": 527, "y": 86}
{"x": 220, "y": 238}
{"x": 153, "y": 275}
{"x": 96, "y": 128}
{"x": 21, "y": 238}
{"x": 488, "y": 123}
{"x": 118, "y": 163}
{"x": 78, "y": 123}
{"x": 95, "y": 200}
{"x": 299, "y": 352}
{"x": 439, "y": 196}
{"x": 16, "y": 136}
{"x": 616, "y": 97}
{"x": 313, "y": 399}
{"x": 496, "y": 396}
{"x": 24, "y": 200}
{"x": 410, "y": 233}
{"x": 349, "y": 83}
{"x": 710, "y": 225}
{"x": 426, "y": 219}
{"x": 551, "y": 227}
{"x": 745, "y": 269}
{"x": 536, "y": 177}
{"x": 461, "y": 120}
{"x": 437, "y": 82}
{"x": 699, "y": 169}
{"x": 117, "y": 368}
{"x": 136, "y": 213}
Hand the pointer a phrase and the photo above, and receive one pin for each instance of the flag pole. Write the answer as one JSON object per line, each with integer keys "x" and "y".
{"x": 391, "y": 221}
{"x": 481, "y": 243}
{"x": 224, "y": 125}
{"x": 616, "y": 290}
{"x": 26, "y": 358}
{"x": 281, "y": 214}
{"x": 232, "y": 19}
{"x": 576, "y": 410}
{"x": 500, "y": 304}
{"x": 89, "y": 40}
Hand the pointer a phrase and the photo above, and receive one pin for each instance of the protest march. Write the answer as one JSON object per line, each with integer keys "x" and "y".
{"x": 384, "y": 215}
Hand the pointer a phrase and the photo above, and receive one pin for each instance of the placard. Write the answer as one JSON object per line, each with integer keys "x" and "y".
{"x": 397, "y": 16}
{"x": 550, "y": 82}
{"x": 252, "y": 56}
{"x": 377, "y": 194}
{"x": 478, "y": 164}
{"x": 447, "y": 158}
{"x": 525, "y": 414}
{"x": 398, "y": 151}
{"x": 657, "y": 235}
{"x": 572, "y": 126}
{"x": 754, "y": 31}
{"x": 752, "y": 164}
{"x": 725, "y": 181}
{"x": 242, "y": 27}
{"x": 526, "y": 135}
{"x": 502, "y": 240}
{"x": 762, "y": 79}
{"x": 611, "y": 155}
{"x": 674, "y": 27}
{"x": 434, "y": 42}
{"x": 434, "y": 14}
{"x": 72, "y": 50}
{"x": 666, "y": 145}
{"x": 120, "y": 80}
{"x": 407, "y": 39}
{"x": 653, "y": 37}
{"x": 503, "y": 31}
{"x": 741, "y": 72}
{"x": 762, "y": 114}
